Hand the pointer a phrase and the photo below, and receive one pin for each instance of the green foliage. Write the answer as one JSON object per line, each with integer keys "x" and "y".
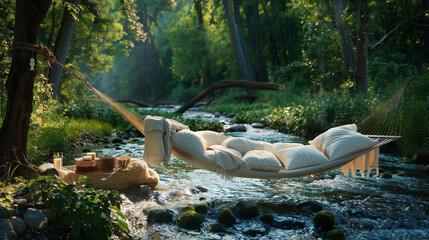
{"x": 78, "y": 211}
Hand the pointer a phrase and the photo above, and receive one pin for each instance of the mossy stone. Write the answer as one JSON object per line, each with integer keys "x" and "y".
{"x": 226, "y": 217}
{"x": 215, "y": 227}
{"x": 386, "y": 175}
{"x": 159, "y": 216}
{"x": 117, "y": 140}
{"x": 324, "y": 220}
{"x": 336, "y": 234}
{"x": 401, "y": 174}
{"x": 187, "y": 208}
{"x": 427, "y": 169}
{"x": 202, "y": 208}
{"x": 190, "y": 220}
{"x": 310, "y": 207}
{"x": 247, "y": 209}
{"x": 267, "y": 218}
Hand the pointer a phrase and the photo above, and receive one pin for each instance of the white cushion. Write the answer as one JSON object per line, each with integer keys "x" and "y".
{"x": 212, "y": 138}
{"x": 243, "y": 145}
{"x": 318, "y": 141}
{"x": 280, "y": 146}
{"x": 260, "y": 160}
{"x": 340, "y": 143}
{"x": 189, "y": 141}
{"x": 304, "y": 156}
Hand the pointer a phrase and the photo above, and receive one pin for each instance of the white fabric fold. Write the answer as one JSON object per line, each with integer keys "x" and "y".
{"x": 229, "y": 161}
{"x": 364, "y": 163}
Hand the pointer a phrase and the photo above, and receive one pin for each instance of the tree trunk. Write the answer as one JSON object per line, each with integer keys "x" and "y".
{"x": 238, "y": 48}
{"x": 361, "y": 71}
{"x": 152, "y": 57}
{"x": 346, "y": 40}
{"x": 62, "y": 44}
{"x": 20, "y": 83}
{"x": 252, "y": 19}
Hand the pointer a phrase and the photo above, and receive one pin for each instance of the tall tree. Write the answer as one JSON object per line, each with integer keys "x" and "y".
{"x": 242, "y": 58}
{"x": 62, "y": 44}
{"x": 29, "y": 15}
{"x": 347, "y": 51}
{"x": 361, "y": 71}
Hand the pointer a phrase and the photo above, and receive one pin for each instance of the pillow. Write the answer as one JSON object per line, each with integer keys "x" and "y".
{"x": 339, "y": 143}
{"x": 189, "y": 141}
{"x": 243, "y": 145}
{"x": 260, "y": 160}
{"x": 318, "y": 141}
{"x": 212, "y": 138}
{"x": 299, "y": 157}
{"x": 280, "y": 146}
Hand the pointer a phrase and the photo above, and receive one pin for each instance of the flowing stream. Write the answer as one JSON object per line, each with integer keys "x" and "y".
{"x": 365, "y": 208}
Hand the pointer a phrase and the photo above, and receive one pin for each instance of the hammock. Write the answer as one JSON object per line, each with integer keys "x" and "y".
{"x": 385, "y": 121}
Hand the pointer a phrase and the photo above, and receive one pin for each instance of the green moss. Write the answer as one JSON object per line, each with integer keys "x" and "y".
{"x": 386, "y": 175}
{"x": 267, "y": 218}
{"x": 226, "y": 217}
{"x": 202, "y": 208}
{"x": 215, "y": 227}
{"x": 401, "y": 174}
{"x": 190, "y": 220}
{"x": 336, "y": 234}
{"x": 247, "y": 209}
{"x": 324, "y": 220}
{"x": 187, "y": 208}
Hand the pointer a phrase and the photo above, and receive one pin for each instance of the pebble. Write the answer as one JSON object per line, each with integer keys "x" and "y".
{"x": 35, "y": 219}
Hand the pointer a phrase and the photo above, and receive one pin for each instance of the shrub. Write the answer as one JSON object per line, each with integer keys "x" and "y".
{"x": 78, "y": 211}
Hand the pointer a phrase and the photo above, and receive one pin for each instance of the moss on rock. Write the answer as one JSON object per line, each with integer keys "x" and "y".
{"x": 427, "y": 169}
{"x": 267, "y": 218}
{"x": 324, "y": 220}
{"x": 190, "y": 220}
{"x": 386, "y": 175}
{"x": 247, "y": 209}
{"x": 215, "y": 227}
{"x": 401, "y": 174}
{"x": 335, "y": 234}
{"x": 202, "y": 208}
{"x": 226, "y": 217}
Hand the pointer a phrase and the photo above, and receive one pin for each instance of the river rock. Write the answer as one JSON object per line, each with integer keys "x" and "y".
{"x": 310, "y": 207}
{"x": 336, "y": 234}
{"x": 202, "y": 208}
{"x": 216, "y": 114}
{"x": 427, "y": 169}
{"x": 35, "y": 219}
{"x": 159, "y": 215}
{"x": 230, "y": 115}
{"x": 247, "y": 209}
{"x": 137, "y": 193}
{"x": 190, "y": 220}
{"x": 324, "y": 220}
{"x": 225, "y": 216}
{"x": 237, "y": 128}
{"x": 4, "y": 212}
{"x": 289, "y": 224}
{"x": 386, "y": 175}
{"x": 18, "y": 225}
{"x": 202, "y": 189}
{"x": 258, "y": 125}
{"x": 6, "y": 230}
{"x": 117, "y": 140}
{"x": 267, "y": 218}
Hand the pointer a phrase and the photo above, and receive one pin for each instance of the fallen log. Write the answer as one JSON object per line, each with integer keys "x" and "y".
{"x": 227, "y": 84}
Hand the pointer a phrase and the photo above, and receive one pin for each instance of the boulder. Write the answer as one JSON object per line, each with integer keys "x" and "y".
{"x": 247, "y": 209}
{"x": 310, "y": 207}
{"x": 35, "y": 219}
{"x": 336, "y": 234}
{"x": 225, "y": 216}
{"x": 324, "y": 220}
{"x": 137, "y": 193}
{"x": 6, "y": 230}
{"x": 159, "y": 215}
{"x": 190, "y": 220}
{"x": 202, "y": 208}
{"x": 237, "y": 128}
{"x": 18, "y": 225}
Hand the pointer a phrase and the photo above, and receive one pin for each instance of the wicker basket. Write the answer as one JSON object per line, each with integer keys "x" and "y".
{"x": 84, "y": 166}
{"x": 105, "y": 163}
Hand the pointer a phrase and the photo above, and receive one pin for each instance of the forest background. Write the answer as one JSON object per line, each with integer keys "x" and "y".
{"x": 337, "y": 59}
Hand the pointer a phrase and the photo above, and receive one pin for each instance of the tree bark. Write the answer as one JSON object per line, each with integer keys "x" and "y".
{"x": 361, "y": 71}
{"x": 228, "y": 84}
{"x": 244, "y": 68}
{"x": 62, "y": 44}
{"x": 347, "y": 51}
{"x": 29, "y": 15}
